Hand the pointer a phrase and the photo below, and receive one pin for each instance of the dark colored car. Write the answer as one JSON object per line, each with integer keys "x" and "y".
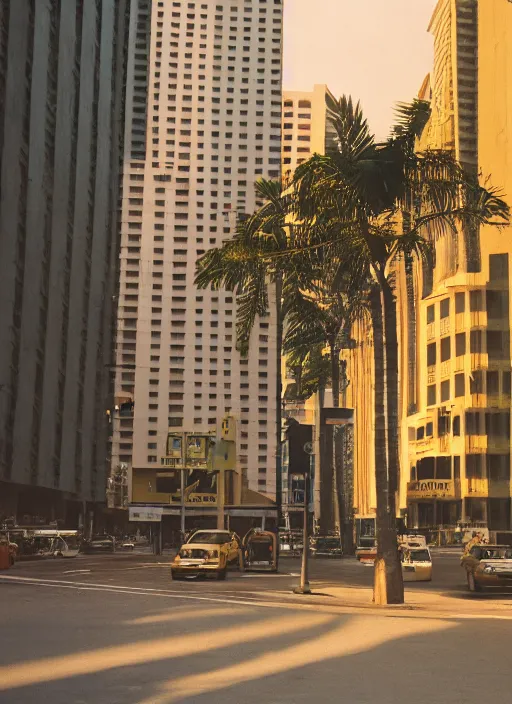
{"x": 99, "y": 543}
{"x": 488, "y": 566}
{"x": 326, "y": 546}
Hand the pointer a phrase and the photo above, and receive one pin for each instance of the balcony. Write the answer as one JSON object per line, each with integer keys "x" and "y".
{"x": 431, "y": 331}
{"x": 498, "y": 401}
{"x": 431, "y": 374}
{"x": 445, "y": 369}
{"x": 458, "y": 363}
{"x": 476, "y": 444}
{"x": 476, "y": 487}
{"x": 445, "y": 326}
{"x": 498, "y": 444}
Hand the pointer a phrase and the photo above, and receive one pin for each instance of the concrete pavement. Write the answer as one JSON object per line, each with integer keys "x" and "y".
{"x": 103, "y": 630}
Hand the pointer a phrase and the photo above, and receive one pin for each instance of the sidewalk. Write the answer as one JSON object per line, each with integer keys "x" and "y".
{"x": 453, "y": 603}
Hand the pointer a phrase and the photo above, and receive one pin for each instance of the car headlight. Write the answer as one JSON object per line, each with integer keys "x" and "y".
{"x": 489, "y": 569}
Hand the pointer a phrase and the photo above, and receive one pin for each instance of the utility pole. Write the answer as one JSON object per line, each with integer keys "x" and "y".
{"x": 304, "y": 587}
{"x": 182, "y": 497}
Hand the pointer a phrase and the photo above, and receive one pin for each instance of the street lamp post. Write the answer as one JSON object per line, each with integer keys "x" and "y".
{"x": 304, "y": 587}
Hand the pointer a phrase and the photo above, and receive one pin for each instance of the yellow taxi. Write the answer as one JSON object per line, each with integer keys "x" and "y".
{"x": 207, "y": 552}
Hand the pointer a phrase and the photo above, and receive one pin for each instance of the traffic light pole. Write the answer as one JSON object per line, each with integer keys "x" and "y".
{"x": 304, "y": 587}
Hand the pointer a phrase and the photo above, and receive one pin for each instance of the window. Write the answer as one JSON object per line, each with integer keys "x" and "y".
{"x": 431, "y": 314}
{"x": 431, "y": 395}
{"x": 431, "y": 354}
{"x": 456, "y": 426}
{"x": 475, "y": 301}
{"x": 444, "y": 308}
{"x": 506, "y": 383}
{"x": 460, "y": 302}
{"x": 498, "y": 267}
{"x": 492, "y": 383}
{"x": 445, "y": 390}
{"x": 475, "y": 341}
{"x": 460, "y": 344}
{"x": 460, "y": 386}
{"x": 497, "y": 305}
{"x": 476, "y": 382}
{"x": 445, "y": 349}
{"x": 498, "y": 344}
{"x": 474, "y": 468}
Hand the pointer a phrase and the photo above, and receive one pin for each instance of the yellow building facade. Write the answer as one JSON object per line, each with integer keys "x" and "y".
{"x": 455, "y": 317}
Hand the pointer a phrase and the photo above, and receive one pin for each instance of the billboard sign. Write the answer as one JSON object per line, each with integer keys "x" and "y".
{"x": 200, "y": 486}
{"x": 145, "y": 514}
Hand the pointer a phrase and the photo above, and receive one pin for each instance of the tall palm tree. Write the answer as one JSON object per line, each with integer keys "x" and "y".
{"x": 374, "y": 203}
{"x": 324, "y": 315}
{"x": 246, "y": 265}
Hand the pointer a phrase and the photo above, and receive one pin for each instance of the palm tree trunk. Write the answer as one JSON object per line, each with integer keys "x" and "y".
{"x": 337, "y": 444}
{"x": 335, "y": 374}
{"x": 388, "y": 583}
{"x": 279, "y": 391}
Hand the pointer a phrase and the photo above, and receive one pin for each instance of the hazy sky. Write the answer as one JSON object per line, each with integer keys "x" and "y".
{"x": 378, "y": 51}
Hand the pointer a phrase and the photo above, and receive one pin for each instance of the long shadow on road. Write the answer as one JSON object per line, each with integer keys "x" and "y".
{"x": 157, "y": 655}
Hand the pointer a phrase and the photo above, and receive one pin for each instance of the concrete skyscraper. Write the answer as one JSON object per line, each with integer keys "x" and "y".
{"x": 61, "y": 80}
{"x": 306, "y": 127}
{"x": 203, "y": 124}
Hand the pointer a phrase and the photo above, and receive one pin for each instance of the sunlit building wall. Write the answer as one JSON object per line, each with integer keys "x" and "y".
{"x": 306, "y": 128}
{"x": 204, "y": 122}
{"x": 455, "y": 316}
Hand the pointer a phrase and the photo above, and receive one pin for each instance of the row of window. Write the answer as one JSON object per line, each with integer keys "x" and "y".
{"x": 476, "y": 386}
{"x": 478, "y": 466}
{"x": 496, "y": 343}
{"x": 495, "y": 302}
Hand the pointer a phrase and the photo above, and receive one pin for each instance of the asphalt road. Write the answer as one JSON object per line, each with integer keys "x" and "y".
{"x": 112, "y": 630}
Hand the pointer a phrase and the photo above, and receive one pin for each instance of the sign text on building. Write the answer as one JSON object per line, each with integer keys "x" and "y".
{"x": 431, "y": 489}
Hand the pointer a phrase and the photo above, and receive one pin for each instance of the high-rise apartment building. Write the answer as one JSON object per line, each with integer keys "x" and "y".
{"x": 456, "y": 315}
{"x": 454, "y": 312}
{"x": 306, "y": 129}
{"x": 203, "y": 124}
{"x": 61, "y": 79}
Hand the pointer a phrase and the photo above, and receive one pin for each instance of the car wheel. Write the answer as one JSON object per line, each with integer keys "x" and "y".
{"x": 175, "y": 576}
{"x": 221, "y": 574}
{"x": 472, "y": 584}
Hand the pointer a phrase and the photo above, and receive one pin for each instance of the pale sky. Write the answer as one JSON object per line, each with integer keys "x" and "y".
{"x": 378, "y": 51}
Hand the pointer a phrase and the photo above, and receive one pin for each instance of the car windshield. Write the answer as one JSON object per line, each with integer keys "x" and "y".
{"x": 213, "y": 538}
{"x": 496, "y": 554}
{"x": 420, "y": 556}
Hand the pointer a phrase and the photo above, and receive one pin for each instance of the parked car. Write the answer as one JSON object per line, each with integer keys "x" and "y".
{"x": 416, "y": 563}
{"x": 488, "y": 566}
{"x": 326, "y": 546}
{"x": 207, "y": 552}
{"x": 259, "y": 549}
{"x": 290, "y": 543}
{"x": 99, "y": 543}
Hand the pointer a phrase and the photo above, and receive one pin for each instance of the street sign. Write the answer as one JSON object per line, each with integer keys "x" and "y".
{"x": 337, "y": 416}
{"x": 144, "y": 514}
{"x": 308, "y": 448}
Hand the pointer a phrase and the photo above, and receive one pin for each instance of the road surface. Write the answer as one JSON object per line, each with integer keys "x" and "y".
{"x": 116, "y": 630}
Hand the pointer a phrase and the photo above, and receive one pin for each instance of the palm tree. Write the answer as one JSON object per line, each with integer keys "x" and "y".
{"x": 247, "y": 266}
{"x": 324, "y": 315}
{"x": 374, "y": 203}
